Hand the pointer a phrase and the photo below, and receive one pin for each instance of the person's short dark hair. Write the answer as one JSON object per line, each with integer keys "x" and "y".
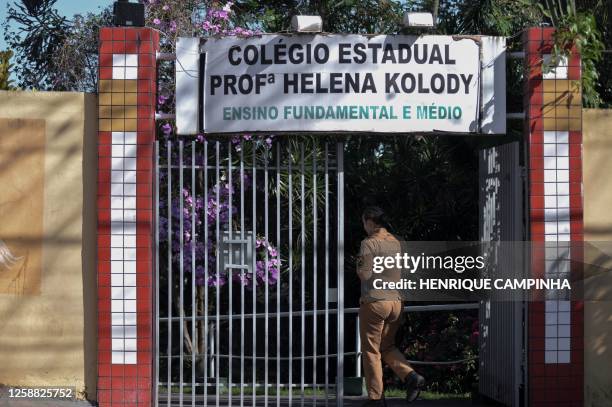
{"x": 376, "y": 215}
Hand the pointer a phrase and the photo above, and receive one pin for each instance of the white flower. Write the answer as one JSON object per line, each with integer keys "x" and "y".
{"x": 228, "y": 6}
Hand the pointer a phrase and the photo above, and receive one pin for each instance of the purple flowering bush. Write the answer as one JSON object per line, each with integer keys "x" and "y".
{"x": 175, "y": 18}
{"x": 201, "y": 19}
{"x": 197, "y": 215}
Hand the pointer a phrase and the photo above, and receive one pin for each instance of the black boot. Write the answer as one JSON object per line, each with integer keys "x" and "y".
{"x": 414, "y": 382}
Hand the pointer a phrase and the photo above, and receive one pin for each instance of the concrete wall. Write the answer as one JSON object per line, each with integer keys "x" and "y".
{"x": 48, "y": 224}
{"x": 597, "y": 179}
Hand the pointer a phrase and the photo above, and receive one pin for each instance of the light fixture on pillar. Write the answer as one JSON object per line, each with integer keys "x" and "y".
{"x": 306, "y": 24}
{"x": 418, "y": 20}
{"x": 126, "y": 14}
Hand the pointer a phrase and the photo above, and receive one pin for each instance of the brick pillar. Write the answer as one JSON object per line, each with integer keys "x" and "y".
{"x": 553, "y": 106}
{"x": 126, "y": 136}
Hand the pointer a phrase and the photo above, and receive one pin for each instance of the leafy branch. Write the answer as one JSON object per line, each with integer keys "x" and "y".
{"x": 577, "y": 32}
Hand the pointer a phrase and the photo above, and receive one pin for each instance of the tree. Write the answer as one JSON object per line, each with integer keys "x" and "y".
{"x": 76, "y": 58}
{"x": 5, "y": 70}
{"x": 40, "y": 33}
{"x": 53, "y": 52}
{"x": 577, "y": 27}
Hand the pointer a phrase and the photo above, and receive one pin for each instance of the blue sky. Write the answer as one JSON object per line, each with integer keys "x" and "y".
{"x": 65, "y": 7}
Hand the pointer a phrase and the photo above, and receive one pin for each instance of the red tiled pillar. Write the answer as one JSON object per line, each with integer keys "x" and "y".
{"x": 553, "y": 106}
{"x": 126, "y": 136}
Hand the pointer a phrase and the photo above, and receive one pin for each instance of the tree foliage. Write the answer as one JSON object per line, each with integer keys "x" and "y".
{"x": 56, "y": 53}
{"x": 39, "y": 34}
{"x": 76, "y": 58}
{"x": 577, "y": 29}
{"x": 5, "y": 70}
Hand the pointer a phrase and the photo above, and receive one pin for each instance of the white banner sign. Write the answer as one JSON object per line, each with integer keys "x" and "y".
{"x": 333, "y": 83}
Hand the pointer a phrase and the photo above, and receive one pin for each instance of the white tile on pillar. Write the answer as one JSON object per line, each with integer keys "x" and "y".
{"x": 563, "y": 356}
{"x": 550, "y": 136}
{"x": 129, "y": 305}
{"x": 550, "y": 175}
{"x": 129, "y": 293}
{"x": 119, "y": 72}
{"x": 117, "y": 163}
{"x": 130, "y": 331}
{"x": 117, "y": 293}
{"x": 117, "y": 279}
{"x": 129, "y": 189}
{"x": 117, "y": 331}
{"x": 550, "y": 356}
{"x": 117, "y": 176}
{"x": 117, "y": 150}
{"x": 131, "y": 73}
{"x": 129, "y": 176}
{"x": 130, "y": 358}
{"x": 130, "y": 137}
{"x": 119, "y": 59}
{"x": 129, "y": 280}
{"x": 130, "y": 345}
{"x": 129, "y": 267}
{"x": 116, "y": 189}
{"x": 129, "y": 228}
{"x": 564, "y": 331}
{"x": 117, "y": 357}
{"x": 130, "y": 150}
{"x": 129, "y": 164}
{"x": 129, "y": 241}
{"x": 131, "y": 60}
{"x": 563, "y": 175}
{"x": 562, "y": 136}
{"x": 550, "y": 188}
{"x": 117, "y": 137}
{"x": 130, "y": 318}
{"x": 117, "y": 318}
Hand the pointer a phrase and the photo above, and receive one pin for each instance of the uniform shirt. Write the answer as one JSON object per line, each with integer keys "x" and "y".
{"x": 380, "y": 243}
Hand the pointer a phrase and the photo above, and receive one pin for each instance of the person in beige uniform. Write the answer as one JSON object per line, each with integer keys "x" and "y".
{"x": 380, "y": 312}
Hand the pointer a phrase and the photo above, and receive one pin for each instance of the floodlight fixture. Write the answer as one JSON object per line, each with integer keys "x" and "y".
{"x": 126, "y": 14}
{"x": 418, "y": 20}
{"x": 307, "y": 24}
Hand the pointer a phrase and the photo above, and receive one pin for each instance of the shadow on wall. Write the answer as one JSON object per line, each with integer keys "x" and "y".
{"x": 597, "y": 149}
{"x": 47, "y": 224}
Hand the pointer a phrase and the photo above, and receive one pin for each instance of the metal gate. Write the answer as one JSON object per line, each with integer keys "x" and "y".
{"x": 249, "y": 283}
{"x": 501, "y": 344}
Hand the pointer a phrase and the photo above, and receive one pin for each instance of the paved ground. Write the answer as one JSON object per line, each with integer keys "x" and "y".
{"x": 349, "y": 402}
{"x": 42, "y": 403}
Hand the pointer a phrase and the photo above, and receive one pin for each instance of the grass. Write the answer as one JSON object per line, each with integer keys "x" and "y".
{"x": 427, "y": 395}
{"x": 389, "y": 393}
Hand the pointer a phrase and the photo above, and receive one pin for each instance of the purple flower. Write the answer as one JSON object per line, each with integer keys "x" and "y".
{"x": 167, "y": 129}
{"x": 212, "y": 280}
{"x": 156, "y": 21}
{"x": 166, "y": 7}
{"x": 172, "y": 26}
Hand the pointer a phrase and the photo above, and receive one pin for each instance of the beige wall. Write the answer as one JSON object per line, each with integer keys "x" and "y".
{"x": 48, "y": 307}
{"x": 597, "y": 179}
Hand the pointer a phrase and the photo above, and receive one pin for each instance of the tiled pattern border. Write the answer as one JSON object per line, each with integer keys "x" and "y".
{"x": 126, "y": 136}
{"x": 554, "y": 126}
